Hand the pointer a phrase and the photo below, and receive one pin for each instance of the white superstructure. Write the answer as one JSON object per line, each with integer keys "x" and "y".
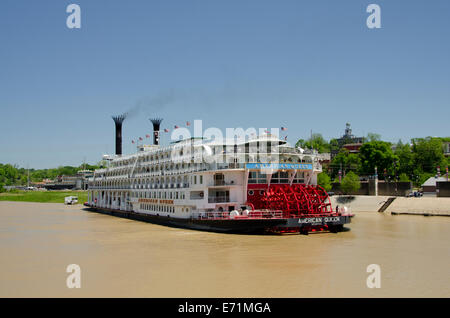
{"x": 196, "y": 176}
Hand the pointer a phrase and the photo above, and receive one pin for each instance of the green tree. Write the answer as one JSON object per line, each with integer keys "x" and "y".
{"x": 403, "y": 177}
{"x": 315, "y": 142}
{"x": 319, "y": 143}
{"x": 422, "y": 177}
{"x": 373, "y": 137}
{"x": 87, "y": 166}
{"x": 300, "y": 143}
{"x": 67, "y": 170}
{"x": 9, "y": 174}
{"x": 12, "y": 175}
{"x": 405, "y": 158}
{"x": 428, "y": 153}
{"x": 348, "y": 161}
{"x": 324, "y": 181}
{"x": 334, "y": 145}
{"x": 377, "y": 154}
{"x": 350, "y": 183}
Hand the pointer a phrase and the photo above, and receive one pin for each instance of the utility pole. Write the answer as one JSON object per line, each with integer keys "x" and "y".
{"x": 376, "y": 181}
{"x": 395, "y": 176}
{"x": 28, "y": 176}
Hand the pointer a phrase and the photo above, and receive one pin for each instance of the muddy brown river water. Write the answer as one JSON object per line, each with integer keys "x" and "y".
{"x": 125, "y": 258}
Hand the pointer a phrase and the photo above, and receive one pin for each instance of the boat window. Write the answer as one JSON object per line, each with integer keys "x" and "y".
{"x": 280, "y": 177}
{"x": 299, "y": 177}
{"x": 257, "y": 177}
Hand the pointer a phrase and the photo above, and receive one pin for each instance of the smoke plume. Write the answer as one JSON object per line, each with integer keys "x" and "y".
{"x": 148, "y": 106}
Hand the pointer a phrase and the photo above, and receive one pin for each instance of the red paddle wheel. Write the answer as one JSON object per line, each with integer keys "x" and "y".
{"x": 295, "y": 200}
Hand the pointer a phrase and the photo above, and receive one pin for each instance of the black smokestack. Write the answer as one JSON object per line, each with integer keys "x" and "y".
{"x": 118, "y": 120}
{"x": 156, "y": 122}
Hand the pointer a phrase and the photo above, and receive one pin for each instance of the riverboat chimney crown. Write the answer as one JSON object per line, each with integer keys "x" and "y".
{"x": 156, "y": 123}
{"x": 118, "y": 120}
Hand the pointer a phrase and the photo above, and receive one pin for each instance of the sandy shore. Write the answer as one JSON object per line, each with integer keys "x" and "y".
{"x": 422, "y": 205}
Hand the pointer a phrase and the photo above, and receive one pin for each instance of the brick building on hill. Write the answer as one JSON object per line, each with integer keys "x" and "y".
{"x": 348, "y": 141}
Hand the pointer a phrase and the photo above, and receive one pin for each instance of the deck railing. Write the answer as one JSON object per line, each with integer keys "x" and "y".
{"x": 230, "y": 215}
{"x": 260, "y": 215}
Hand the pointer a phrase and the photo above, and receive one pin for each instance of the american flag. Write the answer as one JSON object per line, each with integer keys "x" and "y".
{"x": 166, "y": 130}
{"x": 283, "y": 128}
{"x": 140, "y": 138}
{"x": 266, "y": 131}
{"x": 176, "y": 127}
{"x": 132, "y": 141}
{"x": 188, "y": 123}
{"x": 147, "y": 136}
{"x": 285, "y": 138}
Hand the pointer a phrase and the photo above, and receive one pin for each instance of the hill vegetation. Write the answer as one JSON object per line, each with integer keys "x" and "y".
{"x": 13, "y": 175}
{"x": 415, "y": 161}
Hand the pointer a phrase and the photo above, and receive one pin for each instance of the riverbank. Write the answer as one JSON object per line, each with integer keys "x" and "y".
{"x": 400, "y": 205}
{"x": 421, "y": 206}
{"x": 357, "y": 203}
{"x": 43, "y": 196}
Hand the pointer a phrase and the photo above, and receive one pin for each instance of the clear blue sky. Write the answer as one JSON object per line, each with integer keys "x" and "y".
{"x": 232, "y": 63}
